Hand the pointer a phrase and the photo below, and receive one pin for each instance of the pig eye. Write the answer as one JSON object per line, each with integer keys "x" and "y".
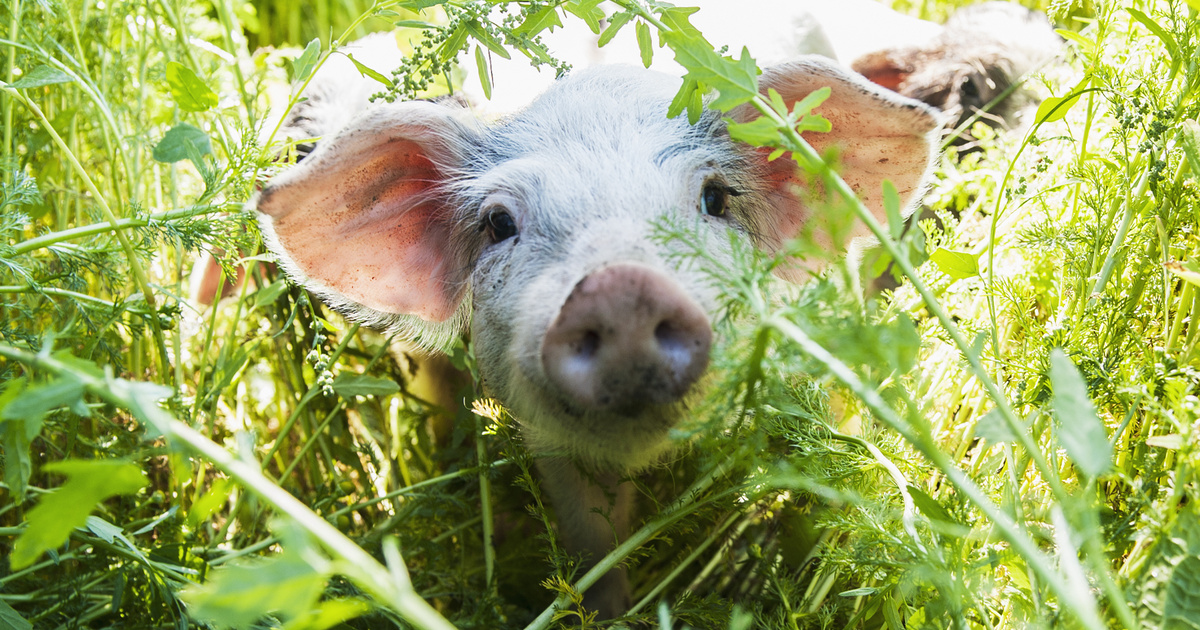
{"x": 500, "y": 225}
{"x": 714, "y": 199}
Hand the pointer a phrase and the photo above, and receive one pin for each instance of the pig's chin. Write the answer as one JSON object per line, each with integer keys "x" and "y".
{"x": 617, "y": 437}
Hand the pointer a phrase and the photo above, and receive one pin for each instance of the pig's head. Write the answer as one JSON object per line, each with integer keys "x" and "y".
{"x": 537, "y": 231}
{"x": 981, "y": 52}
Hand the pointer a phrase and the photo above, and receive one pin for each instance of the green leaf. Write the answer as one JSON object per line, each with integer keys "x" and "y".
{"x": 539, "y": 21}
{"x": 1081, "y": 432}
{"x": 1168, "y": 40}
{"x": 736, "y": 81}
{"x": 454, "y": 43}
{"x": 329, "y": 613}
{"x": 238, "y": 594}
{"x": 486, "y": 39}
{"x": 421, "y": 24}
{"x": 1189, "y": 136}
{"x": 1088, "y": 45}
{"x": 348, "y": 384}
{"x": 1181, "y": 608}
{"x": 11, "y": 619}
{"x": 270, "y": 293}
{"x": 182, "y": 142}
{"x": 615, "y": 23}
{"x": 1171, "y": 441}
{"x": 810, "y": 102}
{"x": 40, "y": 76}
{"x": 682, "y": 97}
{"x": 1187, "y": 271}
{"x": 645, "y": 45}
{"x": 188, "y": 90}
{"x": 993, "y": 428}
{"x": 208, "y": 503}
{"x": 33, "y": 403}
{"x": 89, "y": 482}
{"x": 677, "y": 19}
{"x": 103, "y": 529}
{"x": 1056, "y": 107}
{"x": 417, "y": 5}
{"x": 760, "y": 132}
{"x": 930, "y": 507}
{"x": 303, "y": 65}
{"x": 957, "y": 265}
{"x": 588, "y": 11}
{"x": 859, "y": 592}
{"x": 366, "y": 71}
{"x": 485, "y": 76}
{"x": 891, "y": 205}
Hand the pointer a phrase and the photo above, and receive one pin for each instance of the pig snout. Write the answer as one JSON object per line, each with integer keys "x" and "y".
{"x": 626, "y": 338}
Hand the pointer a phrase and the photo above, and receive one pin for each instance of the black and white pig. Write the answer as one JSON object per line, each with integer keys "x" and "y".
{"x": 535, "y": 232}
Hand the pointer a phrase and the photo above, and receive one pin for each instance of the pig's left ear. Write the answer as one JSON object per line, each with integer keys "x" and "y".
{"x": 879, "y": 136}
{"x": 365, "y": 221}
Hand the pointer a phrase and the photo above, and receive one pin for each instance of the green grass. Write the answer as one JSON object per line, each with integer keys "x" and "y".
{"x": 1009, "y": 438}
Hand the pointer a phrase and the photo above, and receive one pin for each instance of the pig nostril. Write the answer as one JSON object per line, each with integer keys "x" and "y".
{"x": 673, "y": 345}
{"x": 587, "y": 345}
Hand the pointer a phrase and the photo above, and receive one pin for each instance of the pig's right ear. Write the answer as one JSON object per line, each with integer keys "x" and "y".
{"x": 365, "y": 221}
{"x": 878, "y": 135}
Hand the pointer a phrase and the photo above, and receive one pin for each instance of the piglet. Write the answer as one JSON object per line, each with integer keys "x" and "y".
{"x": 536, "y": 233}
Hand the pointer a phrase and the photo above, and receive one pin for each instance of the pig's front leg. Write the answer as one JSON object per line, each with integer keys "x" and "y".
{"x": 593, "y": 516}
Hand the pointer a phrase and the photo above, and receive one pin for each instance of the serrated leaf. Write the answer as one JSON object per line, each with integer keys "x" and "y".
{"x": 1167, "y": 39}
{"x": 678, "y": 20}
{"x": 811, "y": 101}
{"x": 417, "y": 5}
{"x": 646, "y": 45}
{"x": 89, "y": 482}
{"x": 736, "y": 81}
{"x": 615, "y": 23}
{"x": 303, "y": 65}
{"x": 348, "y": 384}
{"x": 1081, "y": 432}
{"x": 41, "y": 76}
{"x": 957, "y": 265}
{"x": 368, "y": 72}
{"x": 188, "y": 90}
{"x": 682, "y": 98}
{"x": 181, "y": 142}
{"x": 485, "y": 76}
{"x": 238, "y": 594}
{"x": 539, "y": 21}
{"x": 891, "y": 205}
{"x": 11, "y": 619}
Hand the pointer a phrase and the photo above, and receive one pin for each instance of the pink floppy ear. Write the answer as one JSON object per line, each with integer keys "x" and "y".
{"x": 879, "y": 136}
{"x": 364, "y": 221}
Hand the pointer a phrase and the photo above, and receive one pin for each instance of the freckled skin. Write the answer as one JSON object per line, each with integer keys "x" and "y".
{"x": 583, "y": 174}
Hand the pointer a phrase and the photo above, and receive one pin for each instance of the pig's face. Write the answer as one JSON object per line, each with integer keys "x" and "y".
{"x": 538, "y": 230}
